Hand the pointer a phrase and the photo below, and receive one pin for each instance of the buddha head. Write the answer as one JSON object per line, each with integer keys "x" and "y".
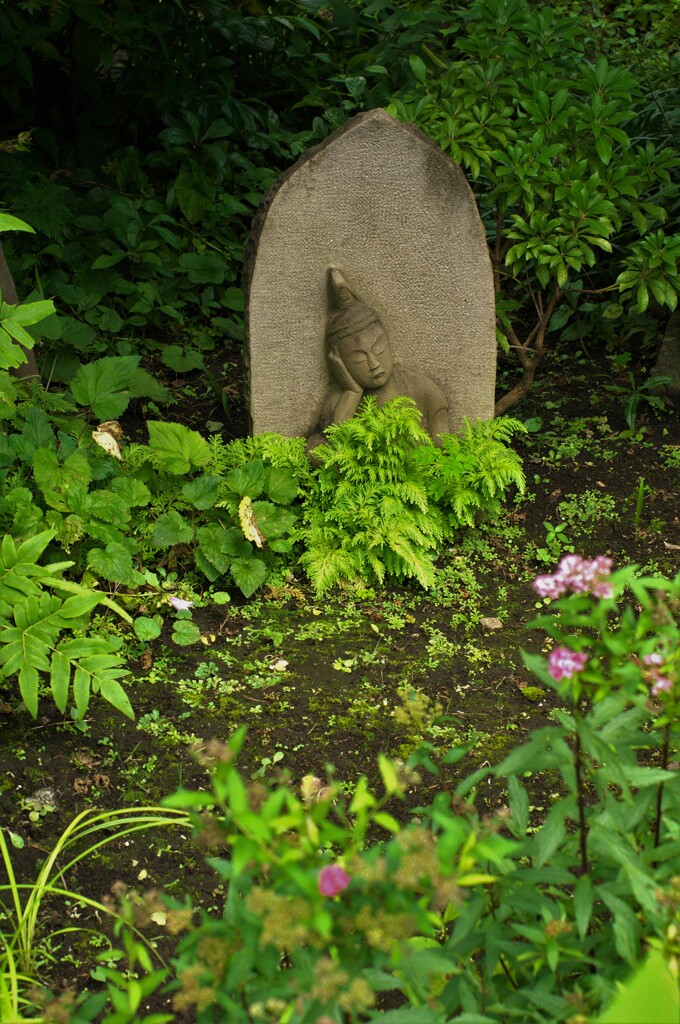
{"x": 355, "y": 334}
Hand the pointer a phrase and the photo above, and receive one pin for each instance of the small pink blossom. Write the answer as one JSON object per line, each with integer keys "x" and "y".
{"x": 563, "y": 663}
{"x": 661, "y": 685}
{"x": 578, "y": 575}
{"x": 653, "y": 659}
{"x": 179, "y": 603}
{"x": 332, "y": 880}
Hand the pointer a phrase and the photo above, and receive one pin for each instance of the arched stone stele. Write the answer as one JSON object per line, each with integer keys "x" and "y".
{"x": 383, "y": 203}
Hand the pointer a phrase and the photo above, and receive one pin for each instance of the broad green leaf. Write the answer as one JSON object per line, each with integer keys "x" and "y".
{"x": 10, "y": 223}
{"x": 626, "y": 926}
{"x": 234, "y": 544}
{"x": 519, "y": 806}
{"x": 181, "y": 359}
{"x": 249, "y": 480}
{"x": 28, "y": 687}
{"x": 176, "y": 448}
{"x": 52, "y": 474}
{"x": 60, "y": 678}
{"x": 551, "y": 833}
{"x": 203, "y": 269}
{"x": 651, "y": 995}
{"x": 171, "y": 529}
{"x": 418, "y": 68}
{"x": 248, "y": 574}
{"x": 114, "y": 562}
{"x": 202, "y": 492}
{"x": 32, "y": 312}
{"x": 79, "y": 604}
{"x": 111, "y": 690}
{"x": 280, "y": 486}
{"x": 111, "y": 260}
{"x": 185, "y": 632}
{"x": 104, "y": 385}
{"x": 147, "y": 628}
{"x": 272, "y": 520}
{"x": 132, "y": 491}
{"x": 81, "y": 690}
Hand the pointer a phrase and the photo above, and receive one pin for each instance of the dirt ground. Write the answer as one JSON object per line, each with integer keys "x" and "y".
{"x": 613, "y": 491}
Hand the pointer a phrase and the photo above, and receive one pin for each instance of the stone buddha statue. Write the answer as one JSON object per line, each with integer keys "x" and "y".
{"x": 360, "y": 361}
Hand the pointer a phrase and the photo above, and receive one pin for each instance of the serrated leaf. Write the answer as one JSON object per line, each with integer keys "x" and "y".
{"x": 51, "y": 474}
{"x": 147, "y": 628}
{"x": 171, "y": 529}
{"x": 248, "y": 574}
{"x": 176, "y": 448}
{"x": 185, "y": 632}
{"x": 104, "y": 385}
{"x": 133, "y": 492}
{"x": 280, "y": 486}
{"x": 114, "y": 562}
{"x": 202, "y": 492}
{"x": 249, "y": 480}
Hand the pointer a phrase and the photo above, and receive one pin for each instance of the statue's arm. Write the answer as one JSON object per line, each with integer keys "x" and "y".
{"x": 350, "y": 393}
{"x": 440, "y": 423}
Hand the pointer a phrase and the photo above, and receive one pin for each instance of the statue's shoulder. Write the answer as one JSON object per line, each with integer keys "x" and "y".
{"x": 416, "y": 384}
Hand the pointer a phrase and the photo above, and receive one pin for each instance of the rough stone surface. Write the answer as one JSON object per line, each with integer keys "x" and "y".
{"x": 383, "y": 202}
{"x": 668, "y": 361}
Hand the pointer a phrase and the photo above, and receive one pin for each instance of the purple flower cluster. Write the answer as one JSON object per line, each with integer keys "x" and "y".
{"x": 578, "y": 575}
{"x": 563, "y": 663}
{"x": 654, "y": 664}
{"x": 332, "y": 880}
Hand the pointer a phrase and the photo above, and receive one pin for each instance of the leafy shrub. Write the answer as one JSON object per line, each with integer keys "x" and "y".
{"x": 463, "y": 915}
{"x": 384, "y": 496}
{"x": 543, "y": 133}
{"x": 31, "y": 621}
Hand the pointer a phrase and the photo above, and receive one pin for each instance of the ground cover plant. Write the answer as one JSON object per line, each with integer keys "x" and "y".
{"x": 381, "y": 807}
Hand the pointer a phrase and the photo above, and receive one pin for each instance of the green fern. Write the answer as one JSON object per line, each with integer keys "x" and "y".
{"x": 367, "y": 513}
{"x": 469, "y": 474}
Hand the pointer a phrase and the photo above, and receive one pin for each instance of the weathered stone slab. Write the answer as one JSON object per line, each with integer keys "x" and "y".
{"x": 668, "y": 362}
{"x": 384, "y": 204}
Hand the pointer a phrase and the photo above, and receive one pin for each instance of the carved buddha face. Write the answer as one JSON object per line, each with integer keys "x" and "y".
{"x": 367, "y": 356}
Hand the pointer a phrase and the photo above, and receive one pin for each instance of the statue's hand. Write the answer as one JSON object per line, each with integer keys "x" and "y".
{"x": 342, "y": 374}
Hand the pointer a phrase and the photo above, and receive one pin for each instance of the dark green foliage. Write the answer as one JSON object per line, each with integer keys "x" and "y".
{"x": 32, "y": 620}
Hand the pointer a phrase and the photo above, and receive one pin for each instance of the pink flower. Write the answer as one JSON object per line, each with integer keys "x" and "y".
{"x": 332, "y": 880}
{"x": 578, "y": 575}
{"x": 179, "y": 604}
{"x": 662, "y": 685}
{"x": 653, "y": 659}
{"x": 563, "y": 663}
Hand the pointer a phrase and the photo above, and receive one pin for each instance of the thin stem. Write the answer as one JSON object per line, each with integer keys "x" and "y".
{"x": 659, "y": 795}
{"x": 583, "y": 828}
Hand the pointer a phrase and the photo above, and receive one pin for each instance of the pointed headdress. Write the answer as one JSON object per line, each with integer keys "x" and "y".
{"x": 346, "y": 313}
